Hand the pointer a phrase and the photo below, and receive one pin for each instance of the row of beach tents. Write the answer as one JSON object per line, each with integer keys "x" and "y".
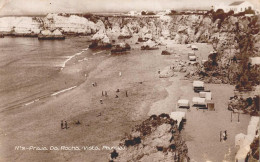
{"x": 203, "y": 101}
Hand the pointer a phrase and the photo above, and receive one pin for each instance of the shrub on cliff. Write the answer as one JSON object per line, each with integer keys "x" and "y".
{"x": 173, "y": 12}
{"x": 147, "y": 13}
{"x": 219, "y": 14}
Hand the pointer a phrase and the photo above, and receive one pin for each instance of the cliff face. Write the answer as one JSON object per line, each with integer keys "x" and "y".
{"x": 33, "y": 25}
{"x": 23, "y": 25}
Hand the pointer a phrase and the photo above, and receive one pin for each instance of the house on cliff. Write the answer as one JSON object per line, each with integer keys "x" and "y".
{"x": 237, "y": 6}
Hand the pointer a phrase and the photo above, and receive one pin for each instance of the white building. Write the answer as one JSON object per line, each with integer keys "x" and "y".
{"x": 237, "y": 6}
{"x": 133, "y": 13}
{"x": 163, "y": 13}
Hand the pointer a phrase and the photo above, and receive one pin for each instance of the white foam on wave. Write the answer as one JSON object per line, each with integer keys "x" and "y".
{"x": 71, "y": 57}
{"x": 62, "y": 91}
{"x": 29, "y": 103}
{"x": 97, "y": 52}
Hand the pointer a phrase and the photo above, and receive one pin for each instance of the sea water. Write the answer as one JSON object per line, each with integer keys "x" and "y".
{"x": 30, "y": 69}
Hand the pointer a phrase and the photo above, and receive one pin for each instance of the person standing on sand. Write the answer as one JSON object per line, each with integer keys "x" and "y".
{"x": 126, "y": 94}
{"x": 61, "y": 124}
{"x": 225, "y": 137}
{"x": 66, "y": 125}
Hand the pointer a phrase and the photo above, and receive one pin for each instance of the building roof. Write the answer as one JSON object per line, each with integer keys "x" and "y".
{"x": 236, "y": 3}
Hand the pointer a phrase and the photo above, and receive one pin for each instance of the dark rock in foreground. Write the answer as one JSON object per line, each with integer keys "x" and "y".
{"x": 121, "y": 47}
{"x": 156, "y": 139}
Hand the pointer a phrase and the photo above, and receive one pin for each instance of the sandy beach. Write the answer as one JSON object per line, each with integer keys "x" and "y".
{"x": 38, "y": 123}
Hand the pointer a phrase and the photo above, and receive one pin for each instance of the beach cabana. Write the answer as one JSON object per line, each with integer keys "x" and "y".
{"x": 239, "y": 139}
{"x": 178, "y": 116}
{"x": 192, "y": 56}
{"x": 193, "y": 47}
{"x": 198, "y": 101}
{"x": 183, "y": 103}
{"x": 198, "y": 86}
{"x": 206, "y": 95}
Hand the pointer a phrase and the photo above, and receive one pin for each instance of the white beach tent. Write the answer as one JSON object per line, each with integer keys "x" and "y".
{"x": 206, "y": 95}
{"x": 194, "y": 47}
{"x": 242, "y": 154}
{"x": 179, "y": 116}
{"x": 239, "y": 139}
{"x": 198, "y": 83}
{"x": 183, "y": 103}
{"x": 199, "y": 101}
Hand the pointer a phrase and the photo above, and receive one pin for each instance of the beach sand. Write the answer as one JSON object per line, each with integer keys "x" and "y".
{"x": 38, "y": 124}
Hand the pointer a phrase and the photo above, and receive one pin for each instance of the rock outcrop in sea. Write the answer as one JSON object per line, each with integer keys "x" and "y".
{"x": 100, "y": 40}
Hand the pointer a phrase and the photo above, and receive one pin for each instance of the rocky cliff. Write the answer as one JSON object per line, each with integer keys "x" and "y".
{"x": 156, "y": 139}
{"x": 68, "y": 24}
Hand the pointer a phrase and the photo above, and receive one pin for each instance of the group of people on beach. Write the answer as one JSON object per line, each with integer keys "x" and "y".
{"x": 104, "y": 93}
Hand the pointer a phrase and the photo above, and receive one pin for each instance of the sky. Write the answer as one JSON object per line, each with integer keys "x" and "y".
{"x": 36, "y": 7}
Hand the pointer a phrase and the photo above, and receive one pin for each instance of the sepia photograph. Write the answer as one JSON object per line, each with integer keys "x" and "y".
{"x": 129, "y": 80}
